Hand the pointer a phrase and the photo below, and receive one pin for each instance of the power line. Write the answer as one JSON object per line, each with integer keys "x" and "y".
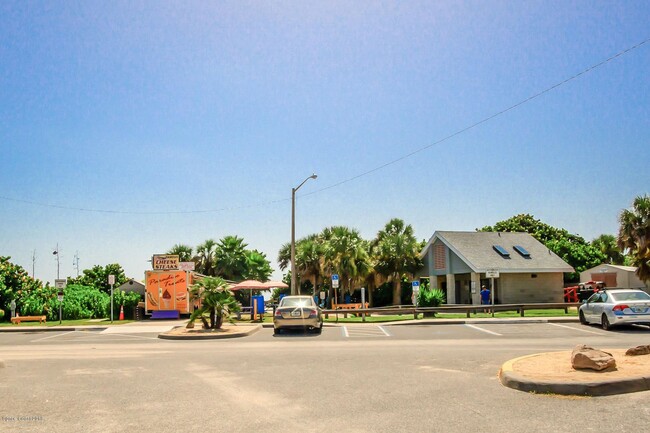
{"x": 360, "y": 175}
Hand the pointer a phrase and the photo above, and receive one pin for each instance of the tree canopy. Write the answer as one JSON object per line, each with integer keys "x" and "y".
{"x": 634, "y": 235}
{"x": 573, "y": 249}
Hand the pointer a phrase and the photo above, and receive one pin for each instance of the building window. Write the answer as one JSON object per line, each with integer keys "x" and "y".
{"x": 533, "y": 275}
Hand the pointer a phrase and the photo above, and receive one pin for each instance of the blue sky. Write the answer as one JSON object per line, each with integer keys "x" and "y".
{"x": 152, "y": 108}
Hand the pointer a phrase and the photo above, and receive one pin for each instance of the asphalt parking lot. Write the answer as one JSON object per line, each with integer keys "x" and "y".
{"x": 358, "y": 378}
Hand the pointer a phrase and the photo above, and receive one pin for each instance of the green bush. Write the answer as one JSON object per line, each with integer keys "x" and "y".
{"x": 431, "y": 297}
{"x": 83, "y": 302}
{"x": 2, "y": 314}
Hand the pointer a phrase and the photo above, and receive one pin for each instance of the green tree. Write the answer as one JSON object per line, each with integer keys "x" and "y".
{"x": 216, "y": 300}
{"x": 205, "y": 258}
{"x": 231, "y": 258}
{"x": 346, "y": 254}
{"x": 607, "y": 244}
{"x": 634, "y": 235}
{"x": 397, "y": 254}
{"x": 15, "y": 283}
{"x": 184, "y": 252}
{"x": 573, "y": 249}
{"x": 258, "y": 266}
{"x": 97, "y": 277}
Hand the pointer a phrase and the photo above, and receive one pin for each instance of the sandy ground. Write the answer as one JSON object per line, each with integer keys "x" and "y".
{"x": 556, "y": 366}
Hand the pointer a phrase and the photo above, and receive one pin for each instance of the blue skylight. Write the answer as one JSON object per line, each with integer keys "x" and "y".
{"x": 502, "y": 251}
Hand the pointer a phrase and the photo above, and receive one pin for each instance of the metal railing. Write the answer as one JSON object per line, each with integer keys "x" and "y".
{"x": 467, "y": 309}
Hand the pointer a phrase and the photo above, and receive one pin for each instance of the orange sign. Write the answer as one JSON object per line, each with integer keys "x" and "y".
{"x": 164, "y": 261}
{"x": 166, "y": 290}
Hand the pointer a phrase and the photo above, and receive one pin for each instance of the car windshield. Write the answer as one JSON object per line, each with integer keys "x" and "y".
{"x": 296, "y": 302}
{"x": 630, "y": 296}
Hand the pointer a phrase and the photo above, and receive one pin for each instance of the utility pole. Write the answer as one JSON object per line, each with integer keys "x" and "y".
{"x": 33, "y": 262}
{"x": 56, "y": 253}
{"x": 75, "y": 262}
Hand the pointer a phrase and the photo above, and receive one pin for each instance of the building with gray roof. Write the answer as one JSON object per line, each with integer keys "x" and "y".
{"x": 457, "y": 262}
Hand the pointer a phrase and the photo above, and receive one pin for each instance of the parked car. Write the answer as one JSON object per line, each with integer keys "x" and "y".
{"x": 297, "y": 312}
{"x": 611, "y": 307}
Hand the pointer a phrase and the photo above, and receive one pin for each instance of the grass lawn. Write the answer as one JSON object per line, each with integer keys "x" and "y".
{"x": 54, "y": 323}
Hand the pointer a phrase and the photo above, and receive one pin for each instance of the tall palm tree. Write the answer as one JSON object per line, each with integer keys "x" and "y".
{"x": 607, "y": 245}
{"x": 205, "y": 257}
{"x": 397, "y": 254}
{"x": 634, "y": 235}
{"x": 184, "y": 252}
{"x": 345, "y": 253}
{"x": 231, "y": 258}
{"x": 309, "y": 260}
{"x": 257, "y": 266}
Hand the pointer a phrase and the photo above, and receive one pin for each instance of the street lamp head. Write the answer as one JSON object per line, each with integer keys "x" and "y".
{"x": 313, "y": 176}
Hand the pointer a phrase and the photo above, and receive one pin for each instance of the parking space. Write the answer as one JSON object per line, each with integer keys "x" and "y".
{"x": 570, "y": 331}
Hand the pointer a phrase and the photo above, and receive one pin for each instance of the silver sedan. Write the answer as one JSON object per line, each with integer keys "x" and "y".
{"x": 612, "y": 307}
{"x": 297, "y": 312}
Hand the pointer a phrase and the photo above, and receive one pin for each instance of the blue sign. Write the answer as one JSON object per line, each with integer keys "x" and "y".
{"x": 335, "y": 277}
{"x": 335, "y": 281}
{"x": 415, "y": 284}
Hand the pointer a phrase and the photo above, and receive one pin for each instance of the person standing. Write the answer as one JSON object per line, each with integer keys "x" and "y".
{"x": 485, "y": 296}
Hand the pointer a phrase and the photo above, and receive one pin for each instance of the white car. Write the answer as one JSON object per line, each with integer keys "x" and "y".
{"x": 611, "y": 307}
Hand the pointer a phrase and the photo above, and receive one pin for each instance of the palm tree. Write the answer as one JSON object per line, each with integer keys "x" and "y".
{"x": 205, "y": 257}
{"x": 397, "y": 254}
{"x": 634, "y": 235}
{"x": 309, "y": 260}
{"x": 231, "y": 258}
{"x": 258, "y": 266}
{"x": 345, "y": 253}
{"x": 607, "y": 245}
{"x": 184, "y": 252}
{"x": 216, "y": 300}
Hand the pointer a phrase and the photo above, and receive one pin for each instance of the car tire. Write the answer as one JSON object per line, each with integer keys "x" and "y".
{"x": 582, "y": 318}
{"x": 604, "y": 321}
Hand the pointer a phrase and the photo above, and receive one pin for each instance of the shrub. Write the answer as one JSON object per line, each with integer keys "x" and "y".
{"x": 431, "y": 298}
{"x": 83, "y": 302}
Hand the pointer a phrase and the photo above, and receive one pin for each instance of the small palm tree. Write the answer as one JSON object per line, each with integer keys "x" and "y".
{"x": 216, "y": 300}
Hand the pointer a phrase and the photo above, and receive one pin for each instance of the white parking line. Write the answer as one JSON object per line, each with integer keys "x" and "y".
{"x": 384, "y": 331}
{"x": 345, "y": 332}
{"x": 578, "y": 329}
{"x": 483, "y": 330}
{"x": 52, "y": 336}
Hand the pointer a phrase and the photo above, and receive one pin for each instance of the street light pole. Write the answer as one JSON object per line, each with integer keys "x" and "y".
{"x": 294, "y": 289}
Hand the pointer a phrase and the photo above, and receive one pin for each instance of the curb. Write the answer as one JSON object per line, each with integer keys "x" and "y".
{"x": 167, "y": 336}
{"x": 510, "y": 378}
{"x": 52, "y": 328}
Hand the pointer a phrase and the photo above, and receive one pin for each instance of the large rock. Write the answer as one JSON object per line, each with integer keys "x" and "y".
{"x": 638, "y": 350}
{"x": 585, "y": 357}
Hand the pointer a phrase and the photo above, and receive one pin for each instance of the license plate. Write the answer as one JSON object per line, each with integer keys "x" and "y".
{"x": 295, "y": 313}
{"x": 639, "y": 310}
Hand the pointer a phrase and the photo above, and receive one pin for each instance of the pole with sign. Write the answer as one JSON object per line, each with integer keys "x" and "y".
{"x": 60, "y": 284}
{"x": 492, "y": 274}
{"x": 363, "y": 303}
{"x": 335, "y": 285}
{"x": 415, "y": 285}
{"x": 111, "y": 281}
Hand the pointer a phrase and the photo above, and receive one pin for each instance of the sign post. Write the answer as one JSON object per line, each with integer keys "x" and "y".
{"x": 60, "y": 284}
{"x": 13, "y": 308}
{"x": 111, "y": 281}
{"x": 363, "y": 303}
{"x": 492, "y": 274}
{"x": 415, "y": 285}
{"x": 335, "y": 285}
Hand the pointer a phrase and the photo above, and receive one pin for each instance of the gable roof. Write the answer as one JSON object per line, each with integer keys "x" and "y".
{"x": 476, "y": 250}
